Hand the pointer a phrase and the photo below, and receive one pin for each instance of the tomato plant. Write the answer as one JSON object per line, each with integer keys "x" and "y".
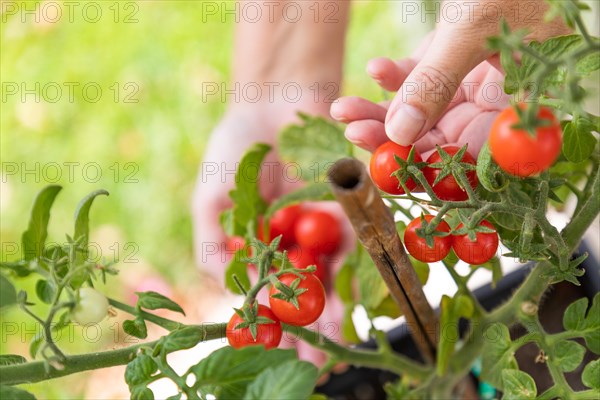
{"x": 297, "y": 301}
{"x": 427, "y": 250}
{"x": 387, "y": 172}
{"x": 521, "y": 152}
{"x": 477, "y": 251}
{"x": 263, "y": 328}
{"x": 442, "y": 182}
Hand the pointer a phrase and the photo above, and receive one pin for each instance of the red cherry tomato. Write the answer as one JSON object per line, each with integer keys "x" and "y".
{"x": 283, "y": 223}
{"x": 447, "y": 188}
{"x": 519, "y": 153}
{"x": 268, "y": 335}
{"x": 234, "y": 244}
{"x": 318, "y": 231}
{"x": 383, "y": 164}
{"x": 311, "y": 302}
{"x": 302, "y": 258}
{"x": 481, "y": 250}
{"x": 417, "y": 246}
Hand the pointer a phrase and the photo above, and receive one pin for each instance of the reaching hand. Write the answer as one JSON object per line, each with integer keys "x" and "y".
{"x": 450, "y": 90}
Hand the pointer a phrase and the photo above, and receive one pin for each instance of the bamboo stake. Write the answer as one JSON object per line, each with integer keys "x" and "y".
{"x": 374, "y": 225}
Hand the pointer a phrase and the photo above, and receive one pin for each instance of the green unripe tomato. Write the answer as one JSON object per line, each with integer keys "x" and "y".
{"x": 92, "y": 307}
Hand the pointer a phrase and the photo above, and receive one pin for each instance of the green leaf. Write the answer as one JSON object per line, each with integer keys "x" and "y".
{"x": 82, "y": 217}
{"x": 518, "y": 385}
{"x": 312, "y": 146}
{"x": 588, "y": 327}
{"x": 387, "y": 308}
{"x": 247, "y": 203}
{"x": 175, "y": 397}
{"x": 8, "y": 293}
{"x": 154, "y": 301}
{"x": 490, "y": 175}
{"x": 14, "y": 393}
{"x": 292, "y": 380}
{"x": 227, "y": 372}
{"x": 579, "y": 142}
{"x": 35, "y": 344}
{"x": 568, "y": 355}
{"x": 240, "y": 270}
{"x": 181, "y": 339}
{"x": 141, "y": 393}
{"x": 497, "y": 354}
{"x": 495, "y": 266}
{"x": 313, "y": 192}
{"x": 591, "y": 375}
{"x": 11, "y": 359}
{"x": 140, "y": 370}
{"x": 371, "y": 286}
{"x": 136, "y": 328}
{"x": 348, "y": 329}
{"x": 343, "y": 282}
{"x": 45, "y": 290}
{"x": 34, "y": 238}
{"x": 451, "y": 310}
{"x": 421, "y": 268}
{"x": 588, "y": 64}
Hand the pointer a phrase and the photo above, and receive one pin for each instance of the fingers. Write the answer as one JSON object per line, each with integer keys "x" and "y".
{"x": 368, "y": 134}
{"x": 352, "y": 108}
{"x": 477, "y": 132}
{"x": 431, "y": 86}
{"x": 390, "y": 74}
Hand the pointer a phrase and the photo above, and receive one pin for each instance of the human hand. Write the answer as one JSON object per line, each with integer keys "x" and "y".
{"x": 450, "y": 90}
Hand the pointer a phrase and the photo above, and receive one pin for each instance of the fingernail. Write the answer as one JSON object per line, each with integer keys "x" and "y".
{"x": 336, "y": 112}
{"x": 405, "y": 124}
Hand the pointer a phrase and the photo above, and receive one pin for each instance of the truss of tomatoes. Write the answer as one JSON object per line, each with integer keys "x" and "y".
{"x": 308, "y": 236}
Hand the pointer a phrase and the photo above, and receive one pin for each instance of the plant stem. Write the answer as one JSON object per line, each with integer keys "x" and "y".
{"x": 35, "y": 371}
{"x": 576, "y": 228}
{"x": 160, "y": 321}
{"x": 389, "y": 361}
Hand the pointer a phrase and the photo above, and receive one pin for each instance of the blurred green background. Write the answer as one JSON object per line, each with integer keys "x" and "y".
{"x": 145, "y": 153}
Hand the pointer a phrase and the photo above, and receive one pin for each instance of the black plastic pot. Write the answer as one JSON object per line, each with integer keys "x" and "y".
{"x": 366, "y": 383}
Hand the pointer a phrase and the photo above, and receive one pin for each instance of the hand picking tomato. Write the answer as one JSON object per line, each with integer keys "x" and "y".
{"x": 91, "y": 308}
{"x": 481, "y": 250}
{"x": 309, "y": 298}
{"x": 318, "y": 231}
{"x": 383, "y": 164}
{"x": 302, "y": 258}
{"x": 519, "y": 153}
{"x": 417, "y": 246}
{"x": 268, "y": 334}
{"x": 447, "y": 188}
{"x": 283, "y": 223}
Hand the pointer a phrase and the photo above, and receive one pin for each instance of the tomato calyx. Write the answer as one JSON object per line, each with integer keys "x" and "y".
{"x": 288, "y": 293}
{"x": 467, "y": 228}
{"x": 262, "y": 253}
{"x": 428, "y": 231}
{"x": 451, "y": 165}
{"x": 528, "y": 120}
{"x": 403, "y": 173}
{"x": 251, "y": 319}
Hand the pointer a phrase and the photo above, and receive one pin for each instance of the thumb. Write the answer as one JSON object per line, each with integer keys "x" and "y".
{"x": 430, "y": 87}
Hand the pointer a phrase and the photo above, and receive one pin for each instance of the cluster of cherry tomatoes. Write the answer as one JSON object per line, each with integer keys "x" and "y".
{"x": 308, "y": 236}
{"x": 472, "y": 252}
{"x": 383, "y": 165}
{"x": 518, "y": 150}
